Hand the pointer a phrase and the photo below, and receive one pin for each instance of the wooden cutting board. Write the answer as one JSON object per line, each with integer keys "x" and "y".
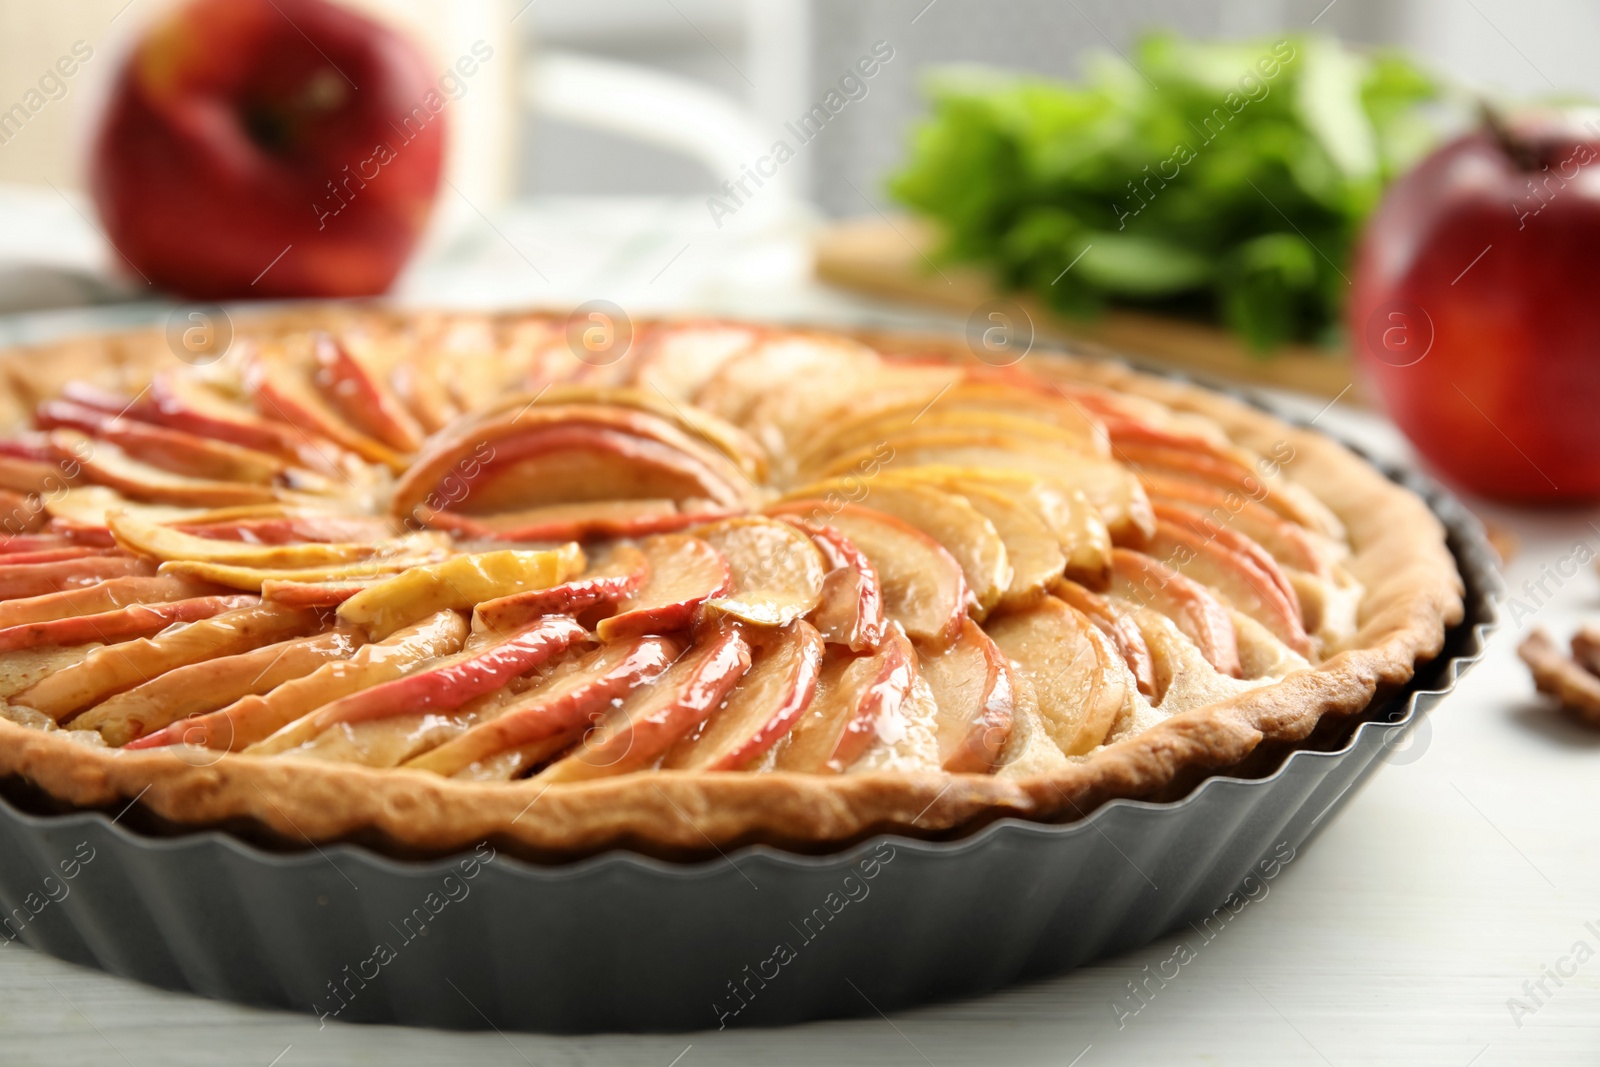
{"x": 888, "y": 258}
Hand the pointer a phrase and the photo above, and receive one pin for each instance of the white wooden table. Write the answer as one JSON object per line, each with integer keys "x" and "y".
{"x": 1404, "y": 935}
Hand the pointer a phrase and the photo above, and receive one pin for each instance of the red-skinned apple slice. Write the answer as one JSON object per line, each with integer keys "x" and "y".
{"x": 1230, "y": 540}
{"x": 1147, "y": 582}
{"x": 850, "y": 612}
{"x": 440, "y": 687}
{"x": 546, "y": 719}
{"x": 1234, "y": 577}
{"x": 21, "y": 513}
{"x": 107, "y": 595}
{"x": 173, "y": 450}
{"x": 324, "y": 594}
{"x": 684, "y": 573}
{"x": 18, "y": 580}
{"x": 293, "y": 528}
{"x": 56, "y": 555}
{"x": 166, "y": 543}
{"x": 115, "y": 624}
{"x": 679, "y": 358}
{"x": 853, "y": 695}
{"x": 590, "y": 520}
{"x": 112, "y": 669}
{"x": 761, "y": 709}
{"x": 184, "y": 403}
{"x": 972, "y": 686}
{"x": 924, "y": 589}
{"x": 1117, "y": 623}
{"x": 105, "y": 464}
{"x": 23, "y": 544}
{"x": 29, "y": 476}
{"x": 949, "y": 519}
{"x": 1216, "y": 508}
{"x": 459, "y": 583}
{"x": 253, "y": 718}
{"x": 211, "y": 684}
{"x": 1079, "y": 684}
{"x": 614, "y": 573}
{"x": 362, "y": 397}
{"x": 634, "y": 735}
{"x": 775, "y": 571}
{"x": 281, "y": 387}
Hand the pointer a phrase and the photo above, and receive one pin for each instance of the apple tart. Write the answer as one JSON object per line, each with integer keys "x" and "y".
{"x": 427, "y": 579}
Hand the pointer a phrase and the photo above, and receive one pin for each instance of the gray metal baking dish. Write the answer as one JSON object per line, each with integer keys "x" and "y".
{"x": 756, "y": 937}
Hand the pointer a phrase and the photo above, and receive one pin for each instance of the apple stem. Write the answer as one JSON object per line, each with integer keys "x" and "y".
{"x": 1495, "y": 122}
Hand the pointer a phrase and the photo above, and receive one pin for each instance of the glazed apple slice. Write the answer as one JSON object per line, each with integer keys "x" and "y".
{"x": 1215, "y": 508}
{"x": 1144, "y": 581}
{"x": 976, "y": 699}
{"x": 173, "y": 450}
{"x": 165, "y": 543}
{"x": 459, "y": 583}
{"x": 761, "y": 709}
{"x": 211, "y": 684}
{"x": 850, "y": 612}
{"x": 29, "y": 476}
{"x": 415, "y": 550}
{"x": 18, "y": 580}
{"x": 116, "y": 624}
{"x": 106, "y": 464}
{"x": 22, "y": 513}
{"x": 614, "y": 573}
{"x": 107, "y": 595}
{"x": 924, "y": 589}
{"x": 1116, "y": 622}
{"x": 590, "y": 520}
{"x": 363, "y": 398}
{"x": 56, "y": 555}
{"x": 548, "y": 718}
{"x": 326, "y": 594}
{"x": 252, "y": 718}
{"x": 854, "y": 695}
{"x": 965, "y": 532}
{"x": 1080, "y": 687}
{"x": 1113, "y": 489}
{"x": 439, "y": 687}
{"x": 291, "y": 527}
{"x": 1237, "y": 569}
{"x": 740, "y": 382}
{"x": 679, "y": 358}
{"x": 185, "y": 403}
{"x": 22, "y": 544}
{"x": 282, "y": 389}
{"x": 110, "y": 670}
{"x": 639, "y": 731}
{"x": 775, "y": 571}
{"x": 684, "y": 572}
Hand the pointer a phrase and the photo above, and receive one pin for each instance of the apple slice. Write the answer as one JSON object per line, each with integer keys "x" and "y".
{"x": 442, "y": 686}
{"x": 172, "y": 450}
{"x": 417, "y": 383}
{"x": 1075, "y": 676}
{"x": 56, "y": 555}
{"x": 1235, "y": 578}
{"x": 289, "y": 528}
{"x": 22, "y": 544}
{"x": 362, "y": 397}
{"x": 850, "y": 612}
{"x": 1113, "y": 489}
{"x": 182, "y": 402}
{"x": 115, "y": 624}
{"x": 21, "y": 513}
{"x": 252, "y": 718}
{"x": 165, "y": 543}
{"x": 1213, "y": 509}
{"x": 111, "y": 669}
{"x": 105, "y": 464}
{"x": 1144, "y": 581}
{"x": 1117, "y": 622}
{"x": 614, "y": 573}
{"x": 327, "y": 594}
{"x": 211, "y": 684}
{"x": 972, "y": 686}
{"x": 761, "y": 709}
{"x": 416, "y": 550}
{"x": 740, "y": 382}
{"x": 678, "y": 358}
{"x": 460, "y": 583}
{"x": 855, "y": 695}
{"x": 548, "y": 718}
{"x": 281, "y": 387}
{"x": 18, "y": 580}
{"x": 107, "y": 595}
{"x": 589, "y": 520}
{"x": 949, "y": 519}
{"x": 924, "y": 589}
{"x": 684, "y": 572}
{"x": 775, "y": 571}
{"x": 635, "y": 734}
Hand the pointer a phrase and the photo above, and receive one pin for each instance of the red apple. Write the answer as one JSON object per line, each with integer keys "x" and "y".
{"x": 269, "y": 148}
{"x": 1471, "y": 313}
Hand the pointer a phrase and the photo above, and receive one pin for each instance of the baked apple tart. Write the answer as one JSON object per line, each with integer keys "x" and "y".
{"x": 429, "y": 579}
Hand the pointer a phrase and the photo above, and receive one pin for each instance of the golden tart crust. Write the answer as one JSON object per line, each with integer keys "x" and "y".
{"x": 1409, "y": 594}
